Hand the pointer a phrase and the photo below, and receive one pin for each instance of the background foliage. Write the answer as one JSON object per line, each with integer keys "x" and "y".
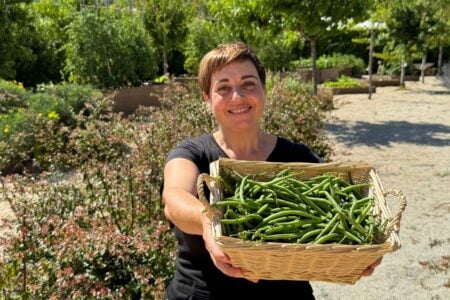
{"x": 122, "y": 43}
{"x": 89, "y": 217}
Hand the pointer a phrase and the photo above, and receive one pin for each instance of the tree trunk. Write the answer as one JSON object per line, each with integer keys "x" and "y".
{"x": 372, "y": 42}
{"x": 422, "y": 66}
{"x": 313, "y": 65}
{"x": 402, "y": 72}
{"x": 165, "y": 63}
{"x": 440, "y": 59}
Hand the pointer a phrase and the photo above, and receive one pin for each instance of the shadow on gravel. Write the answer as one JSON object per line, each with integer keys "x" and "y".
{"x": 377, "y": 135}
{"x": 430, "y": 92}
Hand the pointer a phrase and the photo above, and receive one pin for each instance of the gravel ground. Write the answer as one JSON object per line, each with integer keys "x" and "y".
{"x": 405, "y": 135}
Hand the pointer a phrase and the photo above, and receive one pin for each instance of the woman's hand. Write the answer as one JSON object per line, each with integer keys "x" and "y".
{"x": 369, "y": 270}
{"x": 219, "y": 258}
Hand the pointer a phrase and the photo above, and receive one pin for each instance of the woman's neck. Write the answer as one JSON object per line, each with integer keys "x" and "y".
{"x": 256, "y": 145}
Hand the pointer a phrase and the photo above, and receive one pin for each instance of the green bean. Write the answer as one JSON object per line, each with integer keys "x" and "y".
{"x": 328, "y": 226}
{"x": 280, "y": 236}
{"x": 290, "y": 212}
{"x": 283, "y": 202}
{"x": 325, "y": 208}
{"x": 225, "y": 203}
{"x": 281, "y": 219}
{"x": 262, "y": 208}
{"x": 332, "y": 201}
{"x": 241, "y": 219}
{"x": 309, "y": 234}
{"x": 355, "y": 188}
{"x": 351, "y": 236}
{"x": 316, "y": 187}
{"x": 313, "y": 205}
{"x": 326, "y": 238}
{"x": 241, "y": 188}
{"x": 354, "y": 224}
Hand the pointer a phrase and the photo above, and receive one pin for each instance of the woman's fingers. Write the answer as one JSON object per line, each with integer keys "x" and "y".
{"x": 370, "y": 269}
{"x": 228, "y": 269}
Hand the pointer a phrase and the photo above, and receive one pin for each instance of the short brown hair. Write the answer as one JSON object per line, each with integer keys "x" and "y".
{"x": 224, "y": 54}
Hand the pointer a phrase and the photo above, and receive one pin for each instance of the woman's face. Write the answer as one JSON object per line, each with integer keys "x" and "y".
{"x": 237, "y": 97}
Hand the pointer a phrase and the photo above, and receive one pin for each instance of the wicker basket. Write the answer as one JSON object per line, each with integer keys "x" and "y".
{"x": 289, "y": 261}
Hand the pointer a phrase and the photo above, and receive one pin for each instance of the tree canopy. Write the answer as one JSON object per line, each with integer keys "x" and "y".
{"x": 120, "y": 43}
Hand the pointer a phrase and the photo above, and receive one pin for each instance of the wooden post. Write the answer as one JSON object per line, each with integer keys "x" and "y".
{"x": 402, "y": 72}
{"x": 440, "y": 59}
{"x": 313, "y": 65}
{"x": 372, "y": 42}
{"x": 422, "y": 67}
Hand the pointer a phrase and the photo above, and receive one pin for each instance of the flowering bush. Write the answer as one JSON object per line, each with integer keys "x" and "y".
{"x": 99, "y": 232}
{"x": 292, "y": 112}
{"x": 35, "y": 128}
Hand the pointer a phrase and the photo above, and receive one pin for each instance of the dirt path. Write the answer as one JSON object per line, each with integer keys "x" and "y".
{"x": 405, "y": 134}
{"x": 6, "y": 214}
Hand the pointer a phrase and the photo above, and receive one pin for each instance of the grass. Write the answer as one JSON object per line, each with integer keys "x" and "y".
{"x": 442, "y": 174}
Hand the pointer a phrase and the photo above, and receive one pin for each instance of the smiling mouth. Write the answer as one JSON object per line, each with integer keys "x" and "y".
{"x": 240, "y": 110}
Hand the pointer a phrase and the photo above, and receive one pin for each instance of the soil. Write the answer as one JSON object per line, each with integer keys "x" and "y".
{"x": 405, "y": 135}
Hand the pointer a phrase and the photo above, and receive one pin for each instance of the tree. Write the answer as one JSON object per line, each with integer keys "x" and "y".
{"x": 48, "y": 20}
{"x": 109, "y": 49}
{"x": 15, "y": 36}
{"x": 435, "y": 26}
{"x": 314, "y": 20}
{"x": 245, "y": 20}
{"x": 200, "y": 40}
{"x": 166, "y": 21}
{"x": 403, "y": 23}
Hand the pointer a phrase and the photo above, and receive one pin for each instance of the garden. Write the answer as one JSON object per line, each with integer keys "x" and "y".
{"x": 83, "y": 179}
{"x": 85, "y": 187}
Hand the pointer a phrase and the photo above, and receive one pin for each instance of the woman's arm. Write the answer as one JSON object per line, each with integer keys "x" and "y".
{"x": 182, "y": 207}
{"x": 184, "y": 210}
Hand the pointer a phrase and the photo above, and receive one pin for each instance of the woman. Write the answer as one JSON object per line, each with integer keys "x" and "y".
{"x": 232, "y": 81}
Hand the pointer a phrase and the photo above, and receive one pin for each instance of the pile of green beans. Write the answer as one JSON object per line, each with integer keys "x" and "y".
{"x": 319, "y": 210}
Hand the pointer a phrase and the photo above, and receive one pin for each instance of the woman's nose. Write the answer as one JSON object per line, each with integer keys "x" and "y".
{"x": 237, "y": 93}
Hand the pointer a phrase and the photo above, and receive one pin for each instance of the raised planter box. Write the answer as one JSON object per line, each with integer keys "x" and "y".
{"x": 388, "y": 80}
{"x": 348, "y": 90}
{"x": 385, "y": 82}
{"x": 127, "y": 100}
{"x": 323, "y": 75}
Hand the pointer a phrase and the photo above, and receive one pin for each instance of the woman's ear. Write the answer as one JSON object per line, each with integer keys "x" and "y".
{"x": 207, "y": 101}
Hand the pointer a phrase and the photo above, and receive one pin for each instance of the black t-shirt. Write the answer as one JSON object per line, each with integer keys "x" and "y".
{"x": 196, "y": 277}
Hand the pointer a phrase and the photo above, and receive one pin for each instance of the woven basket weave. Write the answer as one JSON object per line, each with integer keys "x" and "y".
{"x": 290, "y": 261}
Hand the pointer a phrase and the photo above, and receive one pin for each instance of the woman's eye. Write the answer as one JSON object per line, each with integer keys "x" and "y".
{"x": 223, "y": 89}
{"x": 249, "y": 85}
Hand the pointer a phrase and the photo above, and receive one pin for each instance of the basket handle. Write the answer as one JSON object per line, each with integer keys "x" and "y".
{"x": 394, "y": 224}
{"x": 210, "y": 182}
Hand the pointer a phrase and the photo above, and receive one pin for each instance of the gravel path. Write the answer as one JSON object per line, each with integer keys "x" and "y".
{"x": 405, "y": 135}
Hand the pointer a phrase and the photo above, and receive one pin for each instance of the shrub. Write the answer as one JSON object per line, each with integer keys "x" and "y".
{"x": 12, "y": 96}
{"x": 292, "y": 112}
{"x": 336, "y": 60}
{"x": 343, "y": 82}
{"x": 103, "y": 237}
{"x": 68, "y": 101}
{"x": 36, "y": 128}
{"x": 28, "y": 141}
{"x": 101, "y": 233}
{"x": 12, "y": 87}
